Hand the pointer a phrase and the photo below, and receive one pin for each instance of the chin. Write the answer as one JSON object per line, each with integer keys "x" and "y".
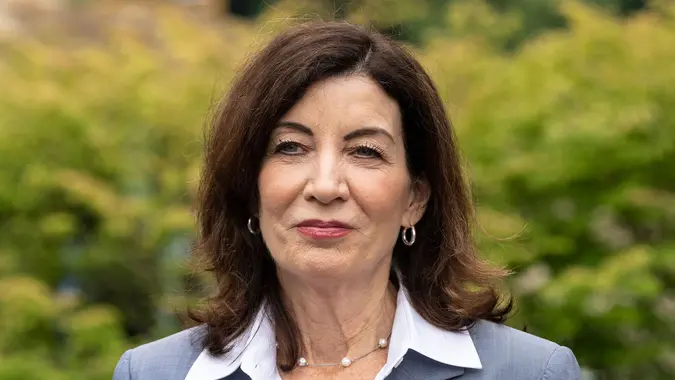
{"x": 323, "y": 263}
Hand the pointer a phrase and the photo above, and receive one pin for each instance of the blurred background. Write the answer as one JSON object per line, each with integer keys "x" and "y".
{"x": 565, "y": 111}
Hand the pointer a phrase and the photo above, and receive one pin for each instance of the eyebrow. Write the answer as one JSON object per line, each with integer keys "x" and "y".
{"x": 361, "y": 132}
{"x": 296, "y": 126}
{"x": 368, "y": 131}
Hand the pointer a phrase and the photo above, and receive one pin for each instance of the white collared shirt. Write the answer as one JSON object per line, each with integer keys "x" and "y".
{"x": 255, "y": 351}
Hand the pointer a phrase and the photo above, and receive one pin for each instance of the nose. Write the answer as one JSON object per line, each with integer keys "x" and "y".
{"x": 326, "y": 182}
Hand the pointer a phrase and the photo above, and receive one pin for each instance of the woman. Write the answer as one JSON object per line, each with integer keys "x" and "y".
{"x": 336, "y": 219}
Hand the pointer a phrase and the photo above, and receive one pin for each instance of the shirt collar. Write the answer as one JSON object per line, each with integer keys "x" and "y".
{"x": 255, "y": 351}
{"x": 412, "y": 332}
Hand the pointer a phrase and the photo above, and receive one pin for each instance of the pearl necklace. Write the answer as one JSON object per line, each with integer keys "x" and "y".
{"x": 345, "y": 362}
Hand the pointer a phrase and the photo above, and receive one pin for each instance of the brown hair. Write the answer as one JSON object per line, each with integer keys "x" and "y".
{"x": 449, "y": 285}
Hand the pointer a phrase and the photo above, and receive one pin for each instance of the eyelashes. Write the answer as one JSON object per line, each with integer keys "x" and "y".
{"x": 288, "y": 147}
{"x": 367, "y": 151}
{"x": 364, "y": 150}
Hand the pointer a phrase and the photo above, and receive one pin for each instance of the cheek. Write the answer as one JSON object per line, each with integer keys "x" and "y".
{"x": 278, "y": 187}
{"x": 382, "y": 195}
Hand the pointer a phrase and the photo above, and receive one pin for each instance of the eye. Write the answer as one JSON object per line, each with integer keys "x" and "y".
{"x": 289, "y": 148}
{"x": 367, "y": 151}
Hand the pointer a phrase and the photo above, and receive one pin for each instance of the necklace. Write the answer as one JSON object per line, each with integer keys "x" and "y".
{"x": 346, "y": 361}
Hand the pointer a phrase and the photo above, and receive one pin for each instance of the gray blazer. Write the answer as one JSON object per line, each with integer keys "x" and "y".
{"x": 505, "y": 353}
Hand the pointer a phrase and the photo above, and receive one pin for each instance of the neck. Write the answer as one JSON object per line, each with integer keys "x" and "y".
{"x": 340, "y": 318}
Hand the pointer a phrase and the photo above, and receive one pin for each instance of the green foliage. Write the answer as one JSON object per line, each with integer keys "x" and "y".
{"x": 571, "y": 147}
{"x": 99, "y": 149}
{"x": 570, "y": 142}
{"x": 414, "y": 20}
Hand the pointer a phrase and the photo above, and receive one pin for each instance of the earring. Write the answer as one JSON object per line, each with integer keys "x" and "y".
{"x": 404, "y": 235}
{"x": 249, "y": 224}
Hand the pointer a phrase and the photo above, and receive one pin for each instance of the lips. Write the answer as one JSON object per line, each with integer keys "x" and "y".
{"x": 316, "y": 223}
{"x": 320, "y": 229}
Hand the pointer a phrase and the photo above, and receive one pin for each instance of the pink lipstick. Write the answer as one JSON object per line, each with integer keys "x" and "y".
{"x": 319, "y": 229}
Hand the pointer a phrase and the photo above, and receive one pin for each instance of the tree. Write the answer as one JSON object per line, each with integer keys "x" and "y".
{"x": 99, "y": 149}
{"x": 571, "y": 148}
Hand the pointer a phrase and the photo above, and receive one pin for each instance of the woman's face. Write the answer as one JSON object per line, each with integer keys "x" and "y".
{"x": 334, "y": 186}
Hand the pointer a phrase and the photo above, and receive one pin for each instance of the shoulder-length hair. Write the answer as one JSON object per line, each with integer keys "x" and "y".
{"x": 449, "y": 285}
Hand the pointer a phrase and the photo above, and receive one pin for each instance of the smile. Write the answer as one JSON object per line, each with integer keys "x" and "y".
{"x": 318, "y": 229}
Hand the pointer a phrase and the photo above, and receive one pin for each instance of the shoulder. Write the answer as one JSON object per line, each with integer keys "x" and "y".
{"x": 505, "y": 350}
{"x": 168, "y": 358}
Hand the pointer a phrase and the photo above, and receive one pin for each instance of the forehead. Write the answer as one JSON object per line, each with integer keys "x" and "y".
{"x": 347, "y": 102}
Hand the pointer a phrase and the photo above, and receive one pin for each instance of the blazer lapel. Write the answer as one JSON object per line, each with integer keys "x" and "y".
{"x": 237, "y": 375}
{"x": 418, "y": 367}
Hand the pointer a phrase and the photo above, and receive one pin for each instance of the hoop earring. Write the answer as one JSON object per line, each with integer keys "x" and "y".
{"x": 249, "y": 224}
{"x": 404, "y": 235}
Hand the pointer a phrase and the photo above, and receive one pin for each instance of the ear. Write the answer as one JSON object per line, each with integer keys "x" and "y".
{"x": 420, "y": 192}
